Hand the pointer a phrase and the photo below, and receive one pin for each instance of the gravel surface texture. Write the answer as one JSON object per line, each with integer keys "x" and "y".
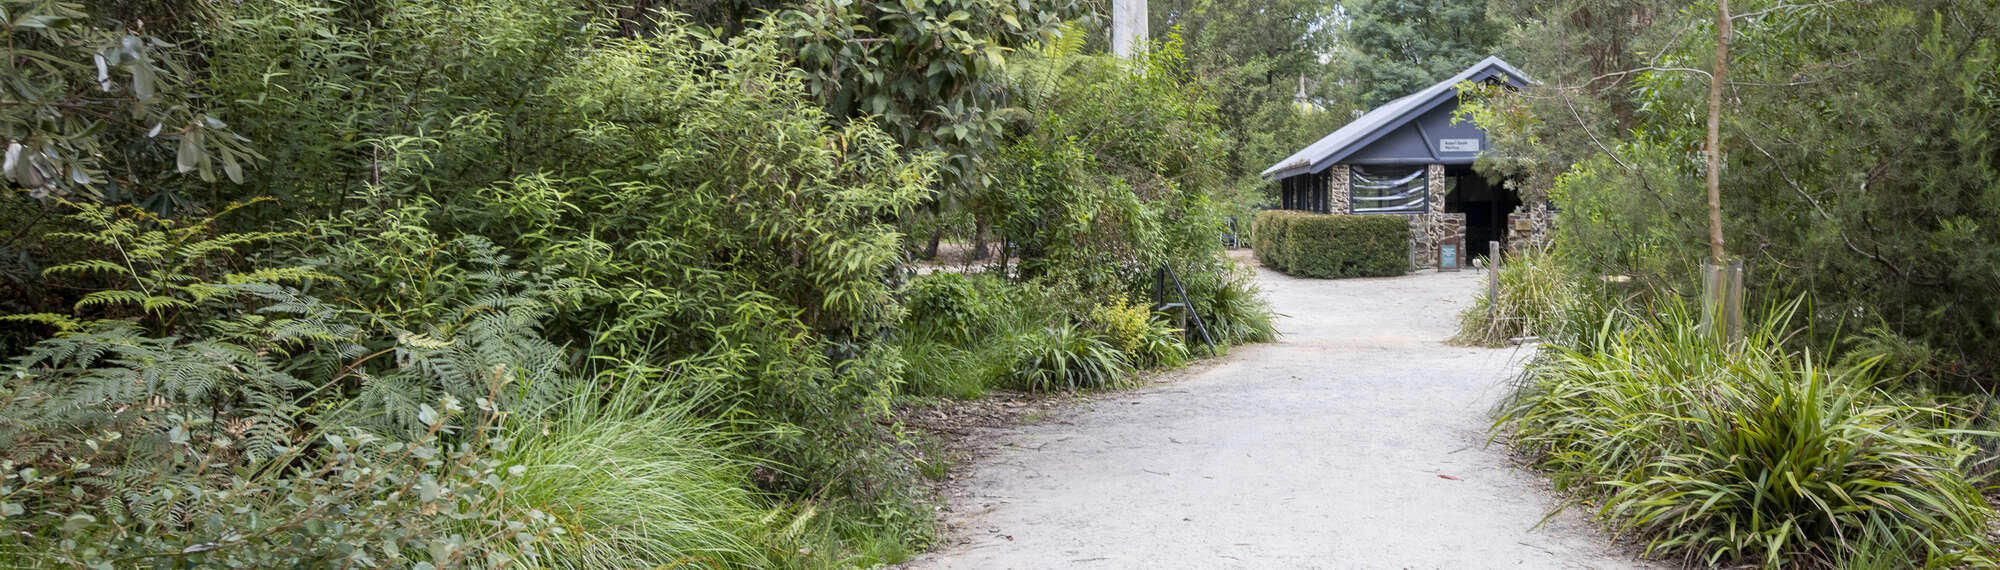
{"x": 1359, "y": 440}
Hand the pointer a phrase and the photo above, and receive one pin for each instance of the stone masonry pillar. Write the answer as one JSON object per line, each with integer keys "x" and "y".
{"x": 1338, "y": 198}
{"x": 1426, "y": 228}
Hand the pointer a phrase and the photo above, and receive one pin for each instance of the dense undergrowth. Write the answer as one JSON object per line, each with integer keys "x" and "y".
{"x": 1757, "y": 454}
{"x": 1776, "y": 451}
{"x": 1852, "y": 429}
{"x": 450, "y": 284}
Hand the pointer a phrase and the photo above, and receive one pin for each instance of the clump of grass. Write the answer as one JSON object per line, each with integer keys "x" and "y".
{"x": 634, "y": 479}
{"x": 1236, "y": 311}
{"x": 935, "y": 368}
{"x": 1538, "y": 297}
{"x": 1069, "y": 358}
{"x": 1749, "y": 455}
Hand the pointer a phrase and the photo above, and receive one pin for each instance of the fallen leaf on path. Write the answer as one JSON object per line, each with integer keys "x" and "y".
{"x": 1441, "y": 476}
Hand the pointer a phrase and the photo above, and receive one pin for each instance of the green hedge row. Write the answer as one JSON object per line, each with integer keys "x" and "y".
{"x": 1305, "y": 244}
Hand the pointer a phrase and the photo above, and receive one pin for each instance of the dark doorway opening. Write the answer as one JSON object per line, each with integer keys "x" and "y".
{"x": 1485, "y": 205}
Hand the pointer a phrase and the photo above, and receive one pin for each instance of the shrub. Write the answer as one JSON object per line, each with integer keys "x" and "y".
{"x": 1538, "y": 296}
{"x": 1068, "y": 358}
{"x": 949, "y": 306}
{"x": 1268, "y": 233}
{"x": 1748, "y": 456}
{"x": 339, "y": 498}
{"x": 1114, "y": 171}
{"x": 1135, "y": 330}
{"x": 1233, "y": 307}
{"x": 1330, "y": 246}
{"x": 933, "y": 368}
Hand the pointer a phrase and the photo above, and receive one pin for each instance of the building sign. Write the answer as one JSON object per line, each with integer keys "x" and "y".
{"x": 1458, "y": 145}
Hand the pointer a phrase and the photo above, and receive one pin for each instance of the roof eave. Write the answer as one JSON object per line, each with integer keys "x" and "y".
{"x": 1488, "y": 68}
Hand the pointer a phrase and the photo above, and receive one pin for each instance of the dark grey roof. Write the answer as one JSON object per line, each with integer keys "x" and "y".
{"x": 1386, "y": 118}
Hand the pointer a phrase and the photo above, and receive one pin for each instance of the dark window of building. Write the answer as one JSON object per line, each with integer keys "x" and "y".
{"x": 1389, "y": 189}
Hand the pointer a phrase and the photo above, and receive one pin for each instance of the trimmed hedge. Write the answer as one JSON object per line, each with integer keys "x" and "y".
{"x": 1305, "y": 244}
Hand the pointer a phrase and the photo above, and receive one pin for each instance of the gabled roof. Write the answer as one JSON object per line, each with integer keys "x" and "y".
{"x": 1387, "y": 118}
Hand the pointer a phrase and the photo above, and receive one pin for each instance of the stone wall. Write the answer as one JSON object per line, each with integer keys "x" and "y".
{"x": 1338, "y": 200}
{"x": 1530, "y": 225}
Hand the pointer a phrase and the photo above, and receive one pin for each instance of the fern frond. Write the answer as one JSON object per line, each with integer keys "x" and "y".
{"x": 86, "y": 267}
{"x": 111, "y": 297}
{"x": 277, "y": 275}
{"x": 62, "y": 323}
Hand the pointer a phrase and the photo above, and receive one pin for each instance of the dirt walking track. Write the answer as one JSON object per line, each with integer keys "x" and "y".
{"x": 1356, "y": 441}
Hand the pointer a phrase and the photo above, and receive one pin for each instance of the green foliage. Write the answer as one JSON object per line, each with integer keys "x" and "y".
{"x": 1333, "y": 246}
{"x": 1538, "y": 297}
{"x": 1233, "y": 307}
{"x": 1394, "y": 48}
{"x": 951, "y": 306}
{"x": 82, "y": 90}
{"x": 634, "y": 478}
{"x": 662, "y": 275}
{"x": 137, "y": 262}
{"x": 1753, "y": 455}
{"x": 346, "y": 497}
{"x": 1115, "y": 172}
{"x": 1131, "y": 328}
{"x": 1257, "y": 58}
{"x": 929, "y": 72}
{"x": 932, "y": 74}
{"x": 960, "y": 333}
{"x": 1069, "y": 358}
{"x": 1871, "y": 190}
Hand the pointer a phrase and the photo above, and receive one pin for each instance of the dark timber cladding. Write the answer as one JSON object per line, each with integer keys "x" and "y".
{"x": 1410, "y": 157}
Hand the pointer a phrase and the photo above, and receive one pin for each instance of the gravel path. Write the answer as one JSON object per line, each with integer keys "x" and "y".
{"x": 1356, "y": 441}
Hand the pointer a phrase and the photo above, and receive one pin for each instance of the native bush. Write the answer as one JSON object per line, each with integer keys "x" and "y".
{"x": 1538, "y": 297}
{"x": 99, "y": 111}
{"x": 1133, "y": 328}
{"x": 1113, "y": 171}
{"x": 1333, "y": 246}
{"x": 1748, "y": 455}
{"x": 338, "y": 498}
{"x": 204, "y": 416}
{"x": 1234, "y": 307}
{"x": 480, "y": 192}
{"x": 1068, "y": 358}
{"x": 951, "y": 306}
{"x": 1872, "y": 192}
{"x": 661, "y": 277}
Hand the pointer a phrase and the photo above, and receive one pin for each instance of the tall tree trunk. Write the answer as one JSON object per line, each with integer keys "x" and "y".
{"x": 1715, "y": 83}
{"x": 979, "y": 252}
{"x": 937, "y": 214}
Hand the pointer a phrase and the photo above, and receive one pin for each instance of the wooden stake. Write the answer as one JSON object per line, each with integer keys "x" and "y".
{"x": 1493, "y": 284}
